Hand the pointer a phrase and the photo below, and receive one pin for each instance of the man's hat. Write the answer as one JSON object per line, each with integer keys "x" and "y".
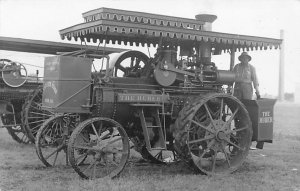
{"x": 243, "y": 55}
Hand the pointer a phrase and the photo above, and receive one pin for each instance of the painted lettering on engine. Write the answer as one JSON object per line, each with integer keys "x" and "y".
{"x": 266, "y": 117}
{"x": 140, "y": 98}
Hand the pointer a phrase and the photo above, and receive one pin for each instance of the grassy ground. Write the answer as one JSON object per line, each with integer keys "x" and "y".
{"x": 276, "y": 167}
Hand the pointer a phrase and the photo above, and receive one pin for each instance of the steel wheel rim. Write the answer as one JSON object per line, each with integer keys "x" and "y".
{"x": 217, "y": 141}
{"x": 52, "y": 138}
{"x": 98, "y": 140}
{"x": 34, "y": 116}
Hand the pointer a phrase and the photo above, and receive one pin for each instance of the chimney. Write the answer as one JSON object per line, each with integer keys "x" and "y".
{"x": 208, "y": 19}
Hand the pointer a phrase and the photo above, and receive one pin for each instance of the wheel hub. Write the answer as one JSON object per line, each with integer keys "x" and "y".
{"x": 220, "y": 135}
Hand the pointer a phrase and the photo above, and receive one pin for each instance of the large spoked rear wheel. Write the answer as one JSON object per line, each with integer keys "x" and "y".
{"x": 214, "y": 132}
{"x": 103, "y": 143}
{"x": 52, "y": 138}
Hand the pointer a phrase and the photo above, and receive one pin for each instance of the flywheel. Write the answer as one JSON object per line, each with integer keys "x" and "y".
{"x": 13, "y": 74}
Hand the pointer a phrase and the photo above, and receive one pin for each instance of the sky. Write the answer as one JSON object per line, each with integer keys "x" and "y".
{"x": 42, "y": 19}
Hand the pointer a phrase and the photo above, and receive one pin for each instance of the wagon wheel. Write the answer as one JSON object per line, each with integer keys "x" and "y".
{"x": 33, "y": 116}
{"x": 130, "y": 64}
{"x": 18, "y": 134}
{"x": 52, "y": 138}
{"x": 11, "y": 120}
{"x": 214, "y": 132}
{"x": 105, "y": 145}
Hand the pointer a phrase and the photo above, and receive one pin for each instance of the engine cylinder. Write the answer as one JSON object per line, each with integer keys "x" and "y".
{"x": 226, "y": 77}
{"x": 219, "y": 76}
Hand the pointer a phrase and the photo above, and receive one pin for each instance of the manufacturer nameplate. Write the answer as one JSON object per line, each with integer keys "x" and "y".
{"x": 142, "y": 98}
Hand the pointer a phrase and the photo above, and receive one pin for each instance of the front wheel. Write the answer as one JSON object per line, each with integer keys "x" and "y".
{"x": 214, "y": 133}
{"x": 103, "y": 143}
{"x": 52, "y": 138}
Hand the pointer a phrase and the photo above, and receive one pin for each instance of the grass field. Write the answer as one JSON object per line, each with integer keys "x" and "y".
{"x": 276, "y": 167}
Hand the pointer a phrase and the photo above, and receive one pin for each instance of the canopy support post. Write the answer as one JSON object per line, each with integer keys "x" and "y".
{"x": 232, "y": 57}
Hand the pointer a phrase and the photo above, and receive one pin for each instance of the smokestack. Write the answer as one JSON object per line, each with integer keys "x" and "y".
{"x": 208, "y": 19}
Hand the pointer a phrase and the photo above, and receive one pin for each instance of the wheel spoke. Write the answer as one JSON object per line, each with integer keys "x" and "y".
{"x": 36, "y": 117}
{"x": 137, "y": 63}
{"x": 231, "y": 117}
{"x": 208, "y": 111}
{"x": 36, "y": 128}
{"x": 240, "y": 129}
{"x": 228, "y": 141}
{"x": 85, "y": 147}
{"x": 94, "y": 170}
{"x": 234, "y": 138}
{"x": 221, "y": 108}
{"x": 200, "y": 140}
{"x": 39, "y": 121}
{"x": 50, "y": 130}
{"x": 110, "y": 141}
{"x": 102, "y": 137}
{"x": 214, "y": 162}
{"x": 79, "y": 158}
{"x": 42, "y": 114}
{"x": 114, "y": 140}
{"x": 131, "y": 61}
{"x": 60, "y": 129}
{"x": 207, "y": 149}
{"x": 57, "y": 150}
{"x": 226, "y": 157}
{"x": 90, "y": 166}
{"x": 47, "y": 144}
{"x": 55, "y": 128}
{"x": 201, "y": 118}
{"x": 84, "y": 138}
{"x": 100, "y": 129}
{"x": 95, "y": 131}
{"x": 121, "y": 68}
{"x": 35, "y": 108}
{"x": 55, "y": 159}
{"x": 202, "y": 126}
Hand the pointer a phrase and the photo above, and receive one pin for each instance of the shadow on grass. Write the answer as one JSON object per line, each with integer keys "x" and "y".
{"x": 136, "y": 168}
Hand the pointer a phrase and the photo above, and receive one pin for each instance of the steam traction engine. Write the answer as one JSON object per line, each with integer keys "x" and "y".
{"x": 176, "y": 105}
{"x": 18, "y": 94}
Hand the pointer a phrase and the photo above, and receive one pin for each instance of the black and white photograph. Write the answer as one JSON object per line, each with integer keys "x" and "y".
{"x": 166, "y": 95}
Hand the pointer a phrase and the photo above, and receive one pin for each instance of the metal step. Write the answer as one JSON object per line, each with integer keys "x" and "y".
{"x": 161, "y": 143}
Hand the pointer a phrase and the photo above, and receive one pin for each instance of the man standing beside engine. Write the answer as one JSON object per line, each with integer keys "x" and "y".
{"x": 245, "y": 76}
